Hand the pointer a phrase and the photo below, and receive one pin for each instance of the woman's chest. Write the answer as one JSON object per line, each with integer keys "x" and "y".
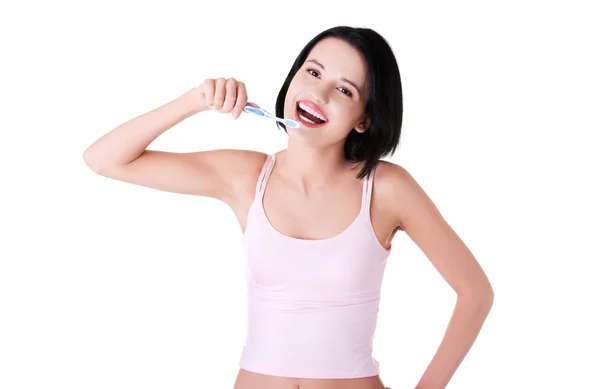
{"x": 320, "y": 217}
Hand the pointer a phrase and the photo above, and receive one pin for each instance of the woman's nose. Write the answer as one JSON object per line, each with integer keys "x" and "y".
{"x": 319, "y": 94}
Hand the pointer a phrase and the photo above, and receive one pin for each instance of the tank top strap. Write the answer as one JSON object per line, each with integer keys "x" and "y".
{"x": 264, "y": 175}
{"x": 367, "y": 192}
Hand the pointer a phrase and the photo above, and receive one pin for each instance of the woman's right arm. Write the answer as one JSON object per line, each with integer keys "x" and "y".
{"x": 122, "y": 153}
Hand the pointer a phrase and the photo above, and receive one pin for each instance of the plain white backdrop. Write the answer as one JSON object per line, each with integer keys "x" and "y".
{"x": 105, "y": 284}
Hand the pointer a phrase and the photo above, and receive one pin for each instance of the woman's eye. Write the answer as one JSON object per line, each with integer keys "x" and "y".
{"x": 314, "y": 73}
{"x": 346, "y": 92}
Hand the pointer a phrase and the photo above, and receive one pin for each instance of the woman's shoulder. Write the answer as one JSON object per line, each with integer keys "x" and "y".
{"x": 246, "y": 155}
{"x": 397, "y": 191}
{"x": 240, "y": 168}
{"x": 247, "y": 163}
{"x": 392, "y": 181}
{"x": 389, "y": 176}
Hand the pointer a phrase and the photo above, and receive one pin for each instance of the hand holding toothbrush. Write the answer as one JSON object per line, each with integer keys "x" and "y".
{"x": 229, "y": 95}
{"x": 223, "y": 95}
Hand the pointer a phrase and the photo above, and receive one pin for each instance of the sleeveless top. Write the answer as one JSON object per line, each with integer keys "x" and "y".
{"x": 312, "y": 304}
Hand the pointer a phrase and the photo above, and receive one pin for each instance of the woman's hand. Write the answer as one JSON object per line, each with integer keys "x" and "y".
{"x": 222, "y": 95}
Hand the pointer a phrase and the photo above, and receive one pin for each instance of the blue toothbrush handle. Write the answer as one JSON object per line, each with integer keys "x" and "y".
{"x": 261, "y": 112}
{"x": 257, "y": 111}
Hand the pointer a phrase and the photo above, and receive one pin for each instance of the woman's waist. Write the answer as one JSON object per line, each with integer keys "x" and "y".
{"x": 250, "y": 380}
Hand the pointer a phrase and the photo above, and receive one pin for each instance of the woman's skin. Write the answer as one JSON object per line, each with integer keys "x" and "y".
{"x": 313, "y": 175}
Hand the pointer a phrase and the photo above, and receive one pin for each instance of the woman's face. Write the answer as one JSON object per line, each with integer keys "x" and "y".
{"x": 329, "y": 92}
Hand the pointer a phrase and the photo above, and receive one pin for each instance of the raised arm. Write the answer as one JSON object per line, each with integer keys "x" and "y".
{"x": 122, "y": 153}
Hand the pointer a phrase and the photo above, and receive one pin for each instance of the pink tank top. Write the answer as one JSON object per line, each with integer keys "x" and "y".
{"x": 312, "y": 304}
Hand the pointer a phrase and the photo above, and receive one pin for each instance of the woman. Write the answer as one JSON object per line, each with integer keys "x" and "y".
{"x": 318, "y": 217}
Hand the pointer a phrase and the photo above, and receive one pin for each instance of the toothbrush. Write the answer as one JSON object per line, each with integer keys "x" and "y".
{"x": 261, "y": 112}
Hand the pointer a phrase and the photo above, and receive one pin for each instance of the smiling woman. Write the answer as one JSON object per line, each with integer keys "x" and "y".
{"x": 318, "y": 217}
{"x": 352, "y": 77}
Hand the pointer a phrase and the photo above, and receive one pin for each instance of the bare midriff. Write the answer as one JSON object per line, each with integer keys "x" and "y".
{"x": 250, "y": 380}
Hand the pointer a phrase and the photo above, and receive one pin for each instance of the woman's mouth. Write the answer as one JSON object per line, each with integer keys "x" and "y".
{"x": 309, "y": 115}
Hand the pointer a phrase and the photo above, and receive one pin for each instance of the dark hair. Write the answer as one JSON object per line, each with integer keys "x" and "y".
{"x": 384, "y": 107}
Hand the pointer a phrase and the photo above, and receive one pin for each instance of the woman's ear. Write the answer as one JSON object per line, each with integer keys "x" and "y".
{"x": 364, "y": 124}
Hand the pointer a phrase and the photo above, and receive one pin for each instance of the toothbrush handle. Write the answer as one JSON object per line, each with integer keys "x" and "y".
{"x": 258, "y": 111}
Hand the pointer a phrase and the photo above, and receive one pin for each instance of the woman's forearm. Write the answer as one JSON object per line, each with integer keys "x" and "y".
{"x": 464, "y": 327}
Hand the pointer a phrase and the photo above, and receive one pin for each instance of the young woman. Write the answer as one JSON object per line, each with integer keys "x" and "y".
{"x": 318, "y": 217}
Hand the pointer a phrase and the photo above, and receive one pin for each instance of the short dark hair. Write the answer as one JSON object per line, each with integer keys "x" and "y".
{"x": 384, "y": 107}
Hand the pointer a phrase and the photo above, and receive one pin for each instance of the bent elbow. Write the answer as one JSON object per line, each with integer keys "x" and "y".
{"x": 482, "y": 297}
{"x": 92, "y": 161}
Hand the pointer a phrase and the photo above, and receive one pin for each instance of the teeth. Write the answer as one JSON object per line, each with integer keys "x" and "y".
{"x": 312, "y": 111}
{"x": 306, "y": 119}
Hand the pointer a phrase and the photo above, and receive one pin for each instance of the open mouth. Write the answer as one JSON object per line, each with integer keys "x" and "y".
{"x": 310, "y": 116}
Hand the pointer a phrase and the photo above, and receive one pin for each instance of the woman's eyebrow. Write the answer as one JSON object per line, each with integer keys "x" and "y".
{"x": 343, "y": 79}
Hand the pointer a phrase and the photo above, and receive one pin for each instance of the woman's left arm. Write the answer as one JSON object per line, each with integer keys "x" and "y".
{"x": 421, "y": 220}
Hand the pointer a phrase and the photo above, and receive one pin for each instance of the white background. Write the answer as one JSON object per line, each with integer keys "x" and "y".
{"x": 109, "y": 285}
